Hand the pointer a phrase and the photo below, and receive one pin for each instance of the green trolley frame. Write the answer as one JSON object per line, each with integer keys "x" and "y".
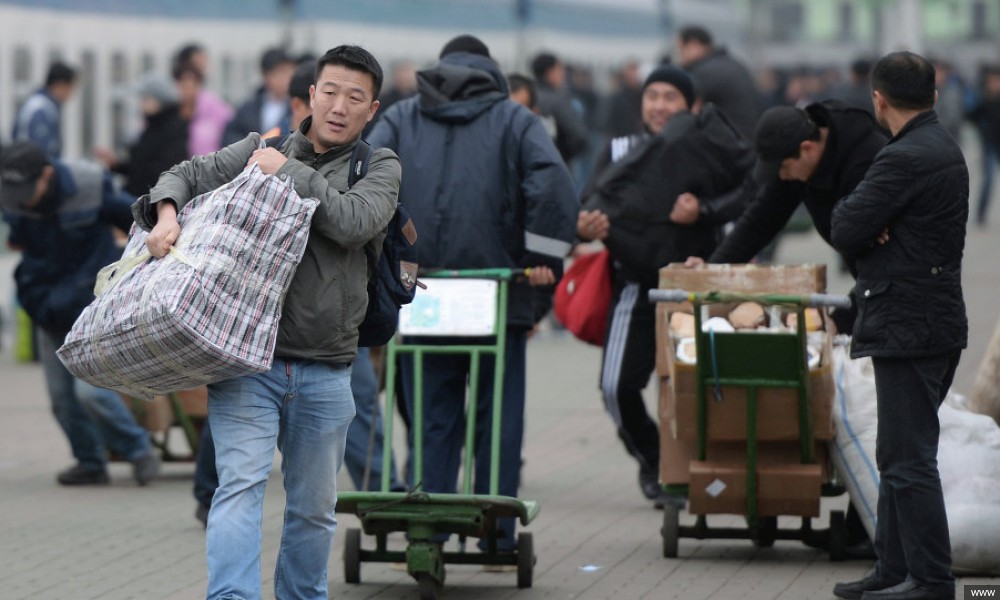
{"x": 423, "y": 515}
{"x": 752, "y": 361}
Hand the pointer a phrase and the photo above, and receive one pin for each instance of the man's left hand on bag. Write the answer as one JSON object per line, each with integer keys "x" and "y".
{"x": 268, "y": 159}
{"x": 166, "y": 231}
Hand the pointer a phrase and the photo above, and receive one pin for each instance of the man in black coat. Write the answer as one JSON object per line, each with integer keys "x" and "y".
{"x": 813, "y": 156}
{"x": 905, "y": 226}
{"x": 719, "y": 78}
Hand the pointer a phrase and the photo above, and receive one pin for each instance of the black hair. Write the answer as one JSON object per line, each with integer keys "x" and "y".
{"x": 542, "y": 63}
{"x": 517, "y": 82}
{"x": 303, "y": 78}
{"x": 906, "y": 80}
{"x": 465, "y": 43}
{"x": 60, "y": 72}
{"x": 186, "y": 52}
{"x": 355, "y": 58}
{"x": 695, "y": 33}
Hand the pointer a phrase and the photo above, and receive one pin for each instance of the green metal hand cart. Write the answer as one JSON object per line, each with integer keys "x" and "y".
{"x": 751, "y": 360}
{"x": 424, "y": 516}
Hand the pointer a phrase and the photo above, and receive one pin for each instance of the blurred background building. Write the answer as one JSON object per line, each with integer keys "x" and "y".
{"x": 115, "y": 42}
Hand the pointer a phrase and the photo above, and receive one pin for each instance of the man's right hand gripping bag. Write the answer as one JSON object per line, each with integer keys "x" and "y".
{"x": 209, "y": 310}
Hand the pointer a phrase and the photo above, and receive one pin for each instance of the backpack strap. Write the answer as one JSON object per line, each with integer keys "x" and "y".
{"x": 360, "y": 157}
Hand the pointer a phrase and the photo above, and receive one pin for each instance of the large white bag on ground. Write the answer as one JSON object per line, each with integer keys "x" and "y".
{"x": 968, "y": 459}
{"x": 209, "y": 310}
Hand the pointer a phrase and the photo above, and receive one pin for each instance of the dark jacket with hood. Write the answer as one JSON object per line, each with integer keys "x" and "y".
{"x": 64, "y": 241}
{"x": 483, "y": 182}
{"x": 910, "y": 300}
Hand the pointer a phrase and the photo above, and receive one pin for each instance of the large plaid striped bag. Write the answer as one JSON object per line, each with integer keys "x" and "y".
{"x": 206, "y": 312}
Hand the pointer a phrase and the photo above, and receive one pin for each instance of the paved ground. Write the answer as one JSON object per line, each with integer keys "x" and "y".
{"x": 595, "y": 538}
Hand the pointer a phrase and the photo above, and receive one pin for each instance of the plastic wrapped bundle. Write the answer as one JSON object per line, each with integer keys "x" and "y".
{"x": 206, "y": 312}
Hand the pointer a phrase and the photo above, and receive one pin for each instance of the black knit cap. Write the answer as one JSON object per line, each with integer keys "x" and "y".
{"x": 678, "y": 78}
{"x": 465, "y": 43}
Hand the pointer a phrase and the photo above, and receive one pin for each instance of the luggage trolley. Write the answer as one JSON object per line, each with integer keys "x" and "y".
{"x": 456, "y": 303}
{"x": 752, "y": 361}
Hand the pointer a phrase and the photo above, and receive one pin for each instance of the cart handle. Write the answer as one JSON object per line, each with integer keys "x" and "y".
{"x": 504, "y": 274}
{"x": 813, "y": 300}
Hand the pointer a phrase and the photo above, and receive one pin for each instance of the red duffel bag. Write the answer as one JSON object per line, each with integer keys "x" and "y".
{"x": 583, "y": 297}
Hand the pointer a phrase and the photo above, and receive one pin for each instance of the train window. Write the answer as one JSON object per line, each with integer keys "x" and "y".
{"x": 148, "y": 63}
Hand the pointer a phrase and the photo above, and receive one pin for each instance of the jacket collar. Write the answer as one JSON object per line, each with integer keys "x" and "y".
{"x": 302, "y": 147}
{"x": 925, "y": 118}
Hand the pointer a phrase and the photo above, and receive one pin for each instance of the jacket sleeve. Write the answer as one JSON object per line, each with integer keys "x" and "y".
{"x": 860, "y": 217}
{"x": 728, "y": 206}
{"x": 551, "y": 205}
{"x": 201, "y": 174}
{"x": 356, "y": 216}
{"x": 762, "y": 220}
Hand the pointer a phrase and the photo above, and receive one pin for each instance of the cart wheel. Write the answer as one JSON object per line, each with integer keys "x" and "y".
{"x": 767, "y": 532}
{"x": 352, "y": 556}
{"x": 671, "y": 530}
{"x": 525, "y": 560}
{"x": 837, "y": 536}
{"x": 429, "y": 587}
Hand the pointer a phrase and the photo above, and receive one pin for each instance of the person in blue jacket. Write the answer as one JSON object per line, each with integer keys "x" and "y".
{"x": 39, "y": 119}
{"x": 60, "y": 216}
{"x": 486, "y": 188}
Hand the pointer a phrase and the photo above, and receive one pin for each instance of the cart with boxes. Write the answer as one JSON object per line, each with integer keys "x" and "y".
{"x": 746, "y": 395}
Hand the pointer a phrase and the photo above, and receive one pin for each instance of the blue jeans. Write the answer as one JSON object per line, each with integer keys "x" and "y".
{"x": 364, "y": 387}
{"x": 92, "y": 418}
{"x": 911, "y": 533}
{"x": 445, "y": 385}
{"x": 304, "y": 409}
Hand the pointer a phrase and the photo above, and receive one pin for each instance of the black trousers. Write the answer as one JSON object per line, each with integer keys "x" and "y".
{"x": 911, "y": 533}
{"x": 629, "y": 359}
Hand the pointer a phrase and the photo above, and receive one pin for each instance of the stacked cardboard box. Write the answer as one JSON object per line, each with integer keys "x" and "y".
{"x": 718, "y": 484}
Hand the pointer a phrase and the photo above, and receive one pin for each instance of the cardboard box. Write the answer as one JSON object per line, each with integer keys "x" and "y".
{"x": 676, "y": 453}
{"x": 747, "y": 279}
{"x": 789, "y": 489}
{"x": 154, "y": 415}
{"x": 777, "y": 407}
{"x": 782, "y": 489}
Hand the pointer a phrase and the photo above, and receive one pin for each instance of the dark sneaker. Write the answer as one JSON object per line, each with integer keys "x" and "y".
{"x": 201, "y": 513}
{"x": 649, "y": 483}
{"x": 80, "y": 475}
{"x": 910, "y": 590}
{"x": 146, "y": 467}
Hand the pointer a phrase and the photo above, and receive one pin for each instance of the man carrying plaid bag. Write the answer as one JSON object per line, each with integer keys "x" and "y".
{"x": 303, "y": 405}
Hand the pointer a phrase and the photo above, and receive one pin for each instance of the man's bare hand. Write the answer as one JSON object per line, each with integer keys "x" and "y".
{"x": 541, "y": 276}
{"x": 268, "y": 159}
{"x": 694, "y": 261}
{"x": 592, "y": 225}
{"x": 685, "y": 210}
{"x": 883, "y": 237}
{"x": 166, "y": 231}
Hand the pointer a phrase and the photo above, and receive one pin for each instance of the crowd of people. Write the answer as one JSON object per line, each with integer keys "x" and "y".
{"x": 509, "y": 170}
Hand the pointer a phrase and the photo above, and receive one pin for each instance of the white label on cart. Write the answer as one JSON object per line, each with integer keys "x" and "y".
{"x": 715, "y": 488}
{"x": 451, "y": 307}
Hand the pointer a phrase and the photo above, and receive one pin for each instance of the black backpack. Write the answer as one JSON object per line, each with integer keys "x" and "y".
{"x": 392, "y": 261}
